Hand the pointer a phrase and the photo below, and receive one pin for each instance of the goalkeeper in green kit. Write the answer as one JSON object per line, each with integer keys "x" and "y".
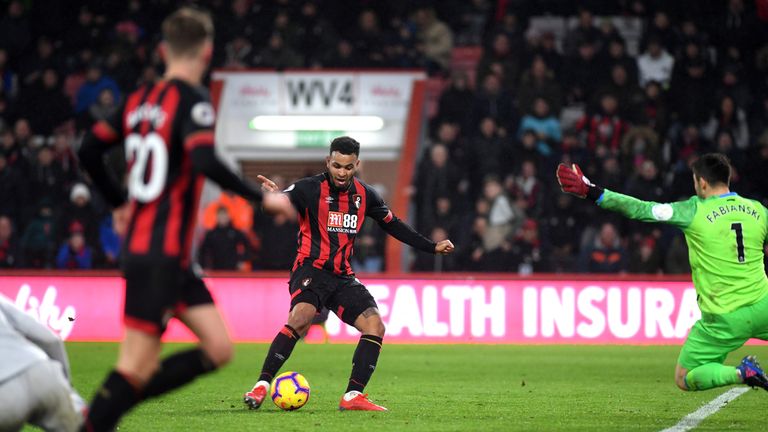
{"x": 725, "y": 234}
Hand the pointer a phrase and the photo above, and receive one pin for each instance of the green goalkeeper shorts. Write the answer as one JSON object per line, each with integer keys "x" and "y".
{"x": 715, "y": 336}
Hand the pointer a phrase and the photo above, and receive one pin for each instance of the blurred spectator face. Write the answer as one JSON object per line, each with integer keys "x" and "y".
{"x": 149, "y": 74}
{"x": 539, "y": 68}
{"x": 548, "y": 41}
{"x": 438, "y": 234}
{"x": 648, "y": 170}
{"x": 528, "y": 169}
{"x": 564, "y": 201}
{"x": 443, "y": 205}
{"x": 540, "y": 107}
{"x": 62, "y": 143}
{"x": 689, "y": 28}
{"x": 611, "y": 165}
{"x": 309, "y": 9}
{"x": 488, "y": 127}
{"x": 492, "y": 189}
{"x": 106, "y": 98}
{"x": 608, "y": 235}
{"x": 491, "y": 84}
{"x": 480, "y": 225}
{"x": 691, "y": 133}
{"x": 368, "y": 21}
{"x": 586, "y": 50}
{"x": 459, "y": 80}
{"x": 3, "y": 58}
{"x": 619, "y": 75}
{"x": 240, "y": 7}
{"x": 344, "y": 48}
{"x": 530, "y": 231}
{"x": 692, "y": 50}
{"x": 736, "y": 6}
{"x": 93, "y": 73}
{"x": 730, "y": 79}
{"x": 727, "y": 106}
{"x": 6, "y": 228}
{"x": 529, "y": 139}
{"x": 15, "y": 9}
{"x": 222, "y": 217}
{"x": 724, "y": 142}
{"x": 501, "y": 45}
{"x": 276, "y": 42}
{"x": 585, "y": 18}
{"x": 652, "y": 90}
{"x": 281, "y": 20}
{"x": 447, "y": 132}
{"x": 438, "y": 155}
{"x": 654, "y": 48}
{"x": 482, "y": 207}
{"x": 76, "y": 241}
{"x": 3, "y": 161}
{"x": 609, "y": 104}
{"x": 646, "y": 248}
{"x": 85, "y": 17}
{"x": 7, "y": 140}
{"x": 45, "y": 156}
{"x": 696, "y": 69}
{"x": 22, "y": 130}
{"x": 50, "y": 79}
{"x": 616, "y": 49}
{"x": 661, "y": 20}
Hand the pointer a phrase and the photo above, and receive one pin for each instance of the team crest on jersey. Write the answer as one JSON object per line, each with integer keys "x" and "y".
{"x": 306, "y": 281}
{"x": 357, "y": 199}
{"x": 203, "y": 114}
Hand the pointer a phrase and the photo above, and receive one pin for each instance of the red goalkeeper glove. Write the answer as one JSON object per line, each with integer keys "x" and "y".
{"x": 574, "y": 182}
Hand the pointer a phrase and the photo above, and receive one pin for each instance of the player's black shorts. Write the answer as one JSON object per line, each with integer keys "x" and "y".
{"x": 156, "y": 290}
{"x": 343, "y": 295}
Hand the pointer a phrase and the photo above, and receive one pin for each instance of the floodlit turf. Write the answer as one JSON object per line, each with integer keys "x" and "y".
{"x": 444, "y": 388}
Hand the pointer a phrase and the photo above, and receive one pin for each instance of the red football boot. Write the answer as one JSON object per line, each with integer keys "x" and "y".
{"x": 356, "y": 401}
{"x": 255, "y": 397}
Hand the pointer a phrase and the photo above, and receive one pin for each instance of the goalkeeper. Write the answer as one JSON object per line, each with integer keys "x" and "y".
{"x": 725, "y": 234}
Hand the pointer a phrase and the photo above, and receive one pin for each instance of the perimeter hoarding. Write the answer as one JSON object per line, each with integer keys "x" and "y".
{"x": 414, "y": 310}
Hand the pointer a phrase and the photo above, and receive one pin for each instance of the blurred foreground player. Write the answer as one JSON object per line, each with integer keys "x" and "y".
{"x": 725, "y": 234}
{"x": 331, "y": 209}
{"x": 34, "y": 376}
{"x": 168, "y": 132}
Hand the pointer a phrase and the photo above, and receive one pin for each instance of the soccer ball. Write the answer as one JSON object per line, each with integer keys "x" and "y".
{"x": 290, "y": 391}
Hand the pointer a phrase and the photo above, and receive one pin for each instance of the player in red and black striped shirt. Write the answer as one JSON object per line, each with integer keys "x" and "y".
{"x": 167, "y": 131}
{"x": 331, "y": 208}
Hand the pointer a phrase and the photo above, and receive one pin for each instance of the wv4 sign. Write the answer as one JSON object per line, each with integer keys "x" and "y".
{"x": 414, "y": 310}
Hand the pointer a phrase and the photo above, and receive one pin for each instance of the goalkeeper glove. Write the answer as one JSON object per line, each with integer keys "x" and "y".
{"x": 574, "y": 182}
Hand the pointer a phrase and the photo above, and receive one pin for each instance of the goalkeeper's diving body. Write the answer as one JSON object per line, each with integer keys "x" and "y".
{"x": 725, "y": 234}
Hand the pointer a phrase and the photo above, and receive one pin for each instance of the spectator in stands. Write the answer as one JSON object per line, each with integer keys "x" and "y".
{"x": 436, "y": 40}
{"x": 499, "y": 59}
{"x": 75, "y": 253}
{"x": 88, "y": 31}
{"x": 691, "y": 90}
{"x": 604, "y": 130}
{"x": 545, "y": 48}
{"x": 224, "y": 247}
{"x": 605, "y": 254}
{"x": 342, "y": 56}
{"x": 277, "y": 55}
{"x": 490, "y": 149}
{"x": 314, "y": 32}
{"x": 368, "y": 39}
{"x": 526, "y": 149}
{"x": 758, "y": 120}
{"x": 39, "y": 241}
{"x": 78, "y": 214}
{"x": 731, "y": 85}
{"x": 44, "y": 103}
{"x": 655, "y": 64}
{"x": 64, "y": 154}
{"x": 561, "y": 231}
{"x": 645, "y": 257}
{"x": 109, "y": 243}
{"x": 580, "y": 82}
{"x": 8, "y": 78}
{"x": 653, "y": 111}
{"x": 546, "y": 126}
{"x": 616, "y": 54}
{"x": 539, "y": 82}
{"x": 728, "y": 117}
{"x": 104, "y": 108}
{"x": 47, "y": 179}
{"x": 239, "y": 54}
{"x": 628, "y": 94}
{"x": 527, "y": 190}
{"x": 492, "y": 101}
{"x": 471, "y": 255}
{"x": 504, "y": 218}
{"x": 15, "y": 156}
{"x": 437, "y": 177}
{"x": 640, "y": 143}
{"x": 689, "y": 141}
{"x": 12, "y": 190}
{"x": 660, "y": 29}
{"x": 584, "y": 31}
{"x": 526, "y": 249}
{"x": 472, "y": 18}
{"x": 452, "y": 106}
{"x": 95, "y": 82}
{"x": 9, "y": 247}
{"x": 277, "y": 237}
{"x": 32, "y": 65}
{"x": 15, "y": 33}
{"x": 646, "y": 184}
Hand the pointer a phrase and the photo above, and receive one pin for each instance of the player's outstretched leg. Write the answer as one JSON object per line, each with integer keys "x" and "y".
{"x": 751, "y": 373}
{"x": 282, "y": 346}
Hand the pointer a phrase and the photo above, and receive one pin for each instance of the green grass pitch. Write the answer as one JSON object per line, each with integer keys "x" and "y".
{"x": 443, "y": 388}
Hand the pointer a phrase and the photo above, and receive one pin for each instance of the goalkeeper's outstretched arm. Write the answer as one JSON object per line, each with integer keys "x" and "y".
{"x": 574, "y": 182}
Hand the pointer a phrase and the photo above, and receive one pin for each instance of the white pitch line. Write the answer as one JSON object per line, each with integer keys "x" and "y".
{"x": 693, "y": 419}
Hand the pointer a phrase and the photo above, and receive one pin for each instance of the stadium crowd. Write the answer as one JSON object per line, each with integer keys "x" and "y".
{"x": 633, "y": 109}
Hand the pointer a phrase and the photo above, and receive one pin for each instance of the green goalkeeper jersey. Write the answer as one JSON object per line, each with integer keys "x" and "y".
{"x": 725, "y": 236}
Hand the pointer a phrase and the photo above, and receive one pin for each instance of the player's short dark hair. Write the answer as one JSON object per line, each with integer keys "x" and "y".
{"x": 714, "y": 168}
{"x": 345, "y": 145}
{"x": 185, "y": 30}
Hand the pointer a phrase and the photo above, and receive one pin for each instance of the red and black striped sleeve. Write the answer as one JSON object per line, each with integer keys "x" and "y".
{"x": 377, "y": 209}
{"x": 104, "y": 135}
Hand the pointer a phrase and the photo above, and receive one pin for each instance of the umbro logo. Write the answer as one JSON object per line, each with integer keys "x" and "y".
{"x": 306, "y": 282}
{"x": 329, "y": 199}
